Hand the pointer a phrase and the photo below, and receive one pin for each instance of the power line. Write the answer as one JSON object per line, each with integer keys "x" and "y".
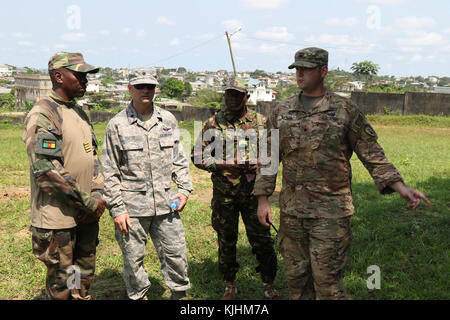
{"x": 187, "y": 50}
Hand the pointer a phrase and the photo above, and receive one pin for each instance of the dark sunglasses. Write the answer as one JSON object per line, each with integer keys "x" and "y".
{"x": 143, "y": 85}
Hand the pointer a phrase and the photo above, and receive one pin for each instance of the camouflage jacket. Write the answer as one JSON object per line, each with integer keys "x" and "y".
{"x": 65, "y": 173}
{"x": 140, "y": 160}
{"x": 244, "y": 135}
{"x": 315, "y": 149}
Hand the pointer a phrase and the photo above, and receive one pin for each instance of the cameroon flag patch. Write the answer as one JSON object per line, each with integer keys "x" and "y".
{"x": 49, "y": 144}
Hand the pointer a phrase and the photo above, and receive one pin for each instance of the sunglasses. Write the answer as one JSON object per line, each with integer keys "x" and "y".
{"x": 143, "y": 85}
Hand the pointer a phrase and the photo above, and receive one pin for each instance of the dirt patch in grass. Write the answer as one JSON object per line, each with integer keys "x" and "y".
{"x": 14, "y": 193}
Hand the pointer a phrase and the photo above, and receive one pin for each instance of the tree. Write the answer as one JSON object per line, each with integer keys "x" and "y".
{"x": 366, "y": 69}
{"x": 173, "y": 88}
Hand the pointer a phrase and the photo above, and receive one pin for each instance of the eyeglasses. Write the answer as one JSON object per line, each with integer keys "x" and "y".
{"x": 143, "y": 85}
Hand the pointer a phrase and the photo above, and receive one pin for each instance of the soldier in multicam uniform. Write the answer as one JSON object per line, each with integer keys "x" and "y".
{"x": 318, "y": 133}
{"x": 66, "y": 181}
{"x": 141, "y": 155}
{"x": 232, "y": 186}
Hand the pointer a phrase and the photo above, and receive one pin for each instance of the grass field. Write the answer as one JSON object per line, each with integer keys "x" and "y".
{"x": 410, "y": 247}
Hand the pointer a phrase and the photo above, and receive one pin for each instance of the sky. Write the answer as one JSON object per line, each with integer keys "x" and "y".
{"x": 404, "y": 37}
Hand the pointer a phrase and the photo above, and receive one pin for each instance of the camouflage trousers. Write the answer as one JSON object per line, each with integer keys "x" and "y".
{"x": 225, "y": 221}
{"x": 69, "y": 254}
{"x": 168, "y": 237}
{"x": 315, "y": 252}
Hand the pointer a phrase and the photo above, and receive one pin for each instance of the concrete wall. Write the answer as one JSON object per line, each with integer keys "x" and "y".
{"x": 427, "y": 103}
{"x": 374, "y": 102}
{"x": 433, "y": 104}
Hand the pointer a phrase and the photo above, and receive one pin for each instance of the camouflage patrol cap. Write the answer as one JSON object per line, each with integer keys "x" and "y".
{"x": 71, "y": 60}
{"x": 234, "y": 85}
{"x": 310, "y": 58}
{"x": 145, "y": 79}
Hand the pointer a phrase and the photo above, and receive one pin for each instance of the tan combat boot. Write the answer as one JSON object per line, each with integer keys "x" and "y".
{"x": 230, "y": 291}
{"x": 270, "y": 292}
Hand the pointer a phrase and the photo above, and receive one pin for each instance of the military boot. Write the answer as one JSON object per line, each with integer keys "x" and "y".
{"x": 230, "y": 291}
{"x": 270, "y": 292}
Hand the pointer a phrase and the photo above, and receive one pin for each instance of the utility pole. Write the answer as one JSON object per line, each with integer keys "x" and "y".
{"x": 231, "y": 51}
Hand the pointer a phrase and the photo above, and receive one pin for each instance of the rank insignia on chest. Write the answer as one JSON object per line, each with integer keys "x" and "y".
{"x": 49, "y": 144}
{"x": 87, "y": 147}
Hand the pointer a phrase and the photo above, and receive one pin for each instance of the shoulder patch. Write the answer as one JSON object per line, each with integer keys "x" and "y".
{"x": 48, "y": 144}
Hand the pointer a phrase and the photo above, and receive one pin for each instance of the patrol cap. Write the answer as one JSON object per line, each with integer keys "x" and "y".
{"x": 145, "y": 79}
{"x": 310, "y": 58}
{"x": 71, "y": 60}
{"x": 234, "y": 85}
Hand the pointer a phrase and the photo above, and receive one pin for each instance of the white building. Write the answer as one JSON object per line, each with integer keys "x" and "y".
{"x": 198, "y": 85}
{"x": 259, "y": 92}
{"x": 6, "y": 70}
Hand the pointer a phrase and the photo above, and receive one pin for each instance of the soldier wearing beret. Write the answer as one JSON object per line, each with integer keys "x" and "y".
{"x": 66, "y": 181}
{"x": 141, "y": 155}
{"x": 318, "y": 133}
{"x": 233, "y": 177}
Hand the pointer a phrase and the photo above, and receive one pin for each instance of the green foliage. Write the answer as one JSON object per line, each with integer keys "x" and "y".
{"x": 7, "y": 101}
{"x": 172, "y": 88}
{"x": 365, "y": 68}
{"x": 206, "y": 98}
{"x": 258, "y": 74}
{"x": 284, "y": 92}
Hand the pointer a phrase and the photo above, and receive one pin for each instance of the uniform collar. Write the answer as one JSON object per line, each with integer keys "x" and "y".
{"x": 133, "y": 116}
{"x": 248, "y": 116}
{"x": 322, "y": 106}
{"x": 56, "y": 97}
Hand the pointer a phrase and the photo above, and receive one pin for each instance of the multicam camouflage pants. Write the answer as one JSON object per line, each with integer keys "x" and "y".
{"x": 225, "y": 220}
{"x": 168, "y": 237}
{"x": 315, "y": 252}
{"x": 61, "y": 249}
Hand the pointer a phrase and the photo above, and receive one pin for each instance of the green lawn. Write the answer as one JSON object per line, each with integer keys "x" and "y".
{"x": 410, "y": 247}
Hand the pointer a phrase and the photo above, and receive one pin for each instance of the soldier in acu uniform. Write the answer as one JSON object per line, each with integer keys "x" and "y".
{"x": 66, "y": 181}
{"x": 141, "y": 155}
{"x": 233, "y": 177}
{"x": 319, "y": 131}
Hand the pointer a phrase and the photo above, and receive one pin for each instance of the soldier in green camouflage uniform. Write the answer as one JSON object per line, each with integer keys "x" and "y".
{"x": 141, "y": 156}
{"x": 318, "y": 133}
{"x": 233, "y": 175}
{"x": 66, "y": 181}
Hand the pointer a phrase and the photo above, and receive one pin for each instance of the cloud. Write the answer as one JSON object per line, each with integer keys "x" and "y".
{"x": 275, "y": 33}
{"x": 25, "y": 44}
{"x": 126, "y": 30}
{"x": 74, "y": 37}
{"x": 390, "y": 2}
{"x": 342, "y": 42}
{"x": 270, "y": 48}
{"x": 141, "y": 33}
{"x": 19, "y": 35}
{"x": 421, "y": 38}
{"x": 417, "y": 58}
{"x": 61, "y": 46}
{"x": 164, "y": 21}
{"x": 231, "y": 25}
{"x": 341, "y": 22}
{"x": 105, "y": 32}
{"x": 175, "y": 42}
{"x": 415, "y": 23}
{"x": 264, "y": 4}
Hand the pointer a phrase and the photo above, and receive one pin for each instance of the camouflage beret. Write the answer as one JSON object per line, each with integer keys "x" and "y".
{"x": 145, "y": 79}
{"x": 310, "y": 58}
{"x": 71, "y": 60}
